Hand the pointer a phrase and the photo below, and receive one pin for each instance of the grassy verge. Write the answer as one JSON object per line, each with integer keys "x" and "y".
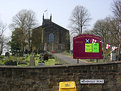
{"x": 25, "y": 61}
{"x": 67, "y": 53}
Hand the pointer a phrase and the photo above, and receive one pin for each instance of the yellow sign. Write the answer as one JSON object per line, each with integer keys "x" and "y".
{"x": 88, "y": 47}
{"x": 67, "y": 86}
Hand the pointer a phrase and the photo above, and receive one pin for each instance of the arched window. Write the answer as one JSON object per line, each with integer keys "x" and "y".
{"x": 51, "y": 38}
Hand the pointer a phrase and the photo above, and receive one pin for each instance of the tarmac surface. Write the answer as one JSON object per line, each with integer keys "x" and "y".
{"x": 68, "y": 59}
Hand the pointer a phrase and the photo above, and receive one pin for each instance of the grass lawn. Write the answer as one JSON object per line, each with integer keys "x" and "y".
{"x": 25, "y": 61}
{"x": 68, "y": 54}
{"x": 51, "y": 62}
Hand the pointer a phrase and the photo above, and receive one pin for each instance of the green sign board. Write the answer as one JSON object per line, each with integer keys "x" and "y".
{"x": 92, "y": 47}
{"x": 95, "y": 47}
{"x": 88, "y": 47}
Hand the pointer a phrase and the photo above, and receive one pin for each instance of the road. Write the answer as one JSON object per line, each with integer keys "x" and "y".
{"x": 68, "y": 59}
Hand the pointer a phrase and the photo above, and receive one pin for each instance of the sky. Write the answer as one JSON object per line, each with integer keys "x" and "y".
{"x": 61, "y": 10}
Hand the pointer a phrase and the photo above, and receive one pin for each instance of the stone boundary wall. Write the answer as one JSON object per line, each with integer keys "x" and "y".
{"x": 14, "y": 78}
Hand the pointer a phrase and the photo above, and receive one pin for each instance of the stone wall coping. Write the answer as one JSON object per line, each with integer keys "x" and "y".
{"x": 58, "y": 66}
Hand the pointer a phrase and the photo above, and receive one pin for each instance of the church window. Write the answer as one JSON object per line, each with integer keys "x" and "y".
{"x": 51, "y": 38}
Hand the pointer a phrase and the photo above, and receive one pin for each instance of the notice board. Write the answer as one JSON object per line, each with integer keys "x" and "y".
{"x": 87, "y": 46}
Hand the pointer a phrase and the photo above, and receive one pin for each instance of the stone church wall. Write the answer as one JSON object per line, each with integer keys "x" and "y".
{"x": 60, "y": 41}
{"x": 48, "y": 78}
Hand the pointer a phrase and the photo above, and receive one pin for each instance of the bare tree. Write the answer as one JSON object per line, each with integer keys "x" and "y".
{"x": 2, "y": 37}
{"x": 117, "y": 10}
{"x": 117, "y": 15}
{"x": 25, "y": 21}
{"x": 108, "y": 30}
{"x": 101, "y": 30}
{"x": 79, "y": 19}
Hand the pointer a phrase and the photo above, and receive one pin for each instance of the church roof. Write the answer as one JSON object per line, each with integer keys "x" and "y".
{"x": 48, "y": 23}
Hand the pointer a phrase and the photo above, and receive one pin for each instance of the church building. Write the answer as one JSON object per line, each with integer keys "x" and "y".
{"x": 52, "y": 36}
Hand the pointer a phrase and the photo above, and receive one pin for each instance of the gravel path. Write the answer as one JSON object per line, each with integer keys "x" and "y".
{"x": 68, "y": 59}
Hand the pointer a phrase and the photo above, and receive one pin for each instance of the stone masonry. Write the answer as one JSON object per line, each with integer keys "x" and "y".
{"x": 32, "y": 78}
{"x": 53, "y": 36}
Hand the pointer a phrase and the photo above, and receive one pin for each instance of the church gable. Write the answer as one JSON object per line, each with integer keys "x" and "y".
{"x": 55, "y": 37}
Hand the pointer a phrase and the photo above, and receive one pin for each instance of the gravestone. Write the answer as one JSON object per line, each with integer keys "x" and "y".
{"x": 41, "y": 64}
{"x": 32, "y": 61}
{"x": 113, "y": 56}
{"x": 11, "y": 62}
